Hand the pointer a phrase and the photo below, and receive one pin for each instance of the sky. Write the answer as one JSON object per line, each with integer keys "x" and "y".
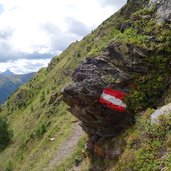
{"x": 34, "y": 31}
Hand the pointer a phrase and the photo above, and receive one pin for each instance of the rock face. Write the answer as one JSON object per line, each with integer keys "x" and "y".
{"x": 163, "y": 8}
{"x": 114, "y": 69}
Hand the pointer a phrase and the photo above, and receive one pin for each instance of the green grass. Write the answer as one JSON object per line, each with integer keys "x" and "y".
{"x": 34, "y": 121}
{"x": 31, "y": 117}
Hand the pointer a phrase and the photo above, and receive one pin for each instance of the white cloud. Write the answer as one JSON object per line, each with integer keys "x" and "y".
{"x": 21, "y": 66}
{"x": 48, "y": 26}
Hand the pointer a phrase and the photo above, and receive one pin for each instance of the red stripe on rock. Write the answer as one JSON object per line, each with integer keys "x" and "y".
{"x": 113, "y": 99}
{"x": 116, "y": 93}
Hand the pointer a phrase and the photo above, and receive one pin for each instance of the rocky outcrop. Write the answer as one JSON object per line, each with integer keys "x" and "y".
{"x": 163, "y": 8}
{"x": 141, "y": 74}
{"x": 114, "y": 69}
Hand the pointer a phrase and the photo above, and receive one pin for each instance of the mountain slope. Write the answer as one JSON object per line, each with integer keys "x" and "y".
{"x": 9, "y": 83}
{"x": 40, "y": 119}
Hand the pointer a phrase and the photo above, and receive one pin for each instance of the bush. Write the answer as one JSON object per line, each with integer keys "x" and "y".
{"x": 5, "y": 133}
{"x": 42, "y": 97}
{"x": 9, "y": 166}
{"x": 41, "y": 129}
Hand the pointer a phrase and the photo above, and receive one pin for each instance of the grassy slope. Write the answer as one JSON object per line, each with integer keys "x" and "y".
{"x": 35, "y": 121}
{"x": 30, "y": 149}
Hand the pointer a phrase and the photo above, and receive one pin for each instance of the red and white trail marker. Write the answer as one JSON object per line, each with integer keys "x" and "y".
{"x": 113, "y": 99}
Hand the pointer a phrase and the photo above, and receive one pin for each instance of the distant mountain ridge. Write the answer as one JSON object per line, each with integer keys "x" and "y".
{"x": 7, "y": 73}
{"x": 9, "y": 82}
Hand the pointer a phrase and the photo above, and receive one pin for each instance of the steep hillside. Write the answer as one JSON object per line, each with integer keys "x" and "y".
{"x": 9, "y": 83}
{"x": 113, "y": 91}
{"x": 134, "y": 44}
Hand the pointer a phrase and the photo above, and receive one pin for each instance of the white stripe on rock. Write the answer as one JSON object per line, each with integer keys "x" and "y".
{"x": 113, "y": 100}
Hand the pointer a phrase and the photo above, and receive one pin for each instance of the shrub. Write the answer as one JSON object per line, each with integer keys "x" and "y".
{"x": 42, "y": 97}
{"x": 5, "y": 133}
{"x": 41, "y": 129}
{"x": 9, "y": 166}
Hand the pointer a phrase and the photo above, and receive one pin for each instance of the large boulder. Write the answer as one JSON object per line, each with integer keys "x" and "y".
{"x": 127, "y": 77}
{"x": 114, "y": 70}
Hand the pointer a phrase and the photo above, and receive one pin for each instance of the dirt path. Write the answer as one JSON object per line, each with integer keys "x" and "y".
{"x": 67, "y": 147}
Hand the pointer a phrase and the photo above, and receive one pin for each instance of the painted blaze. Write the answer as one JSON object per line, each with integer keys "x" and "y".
{"x": 113, "y": 99}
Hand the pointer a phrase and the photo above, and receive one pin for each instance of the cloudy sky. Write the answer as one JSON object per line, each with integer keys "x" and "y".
{"x": 33, "y": 31}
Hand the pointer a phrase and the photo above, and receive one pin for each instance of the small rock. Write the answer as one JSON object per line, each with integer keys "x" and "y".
{"x": 52, "y": 139}
{"x": 78, "y": 161}
{"x": 124, "y": 49}
{"x": 165, "y": 110}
